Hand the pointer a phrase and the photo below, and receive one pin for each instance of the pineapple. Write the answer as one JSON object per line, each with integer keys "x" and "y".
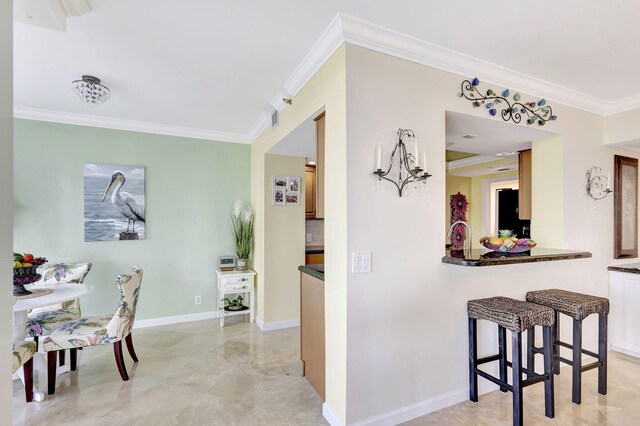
{"x": 508, "y": 239}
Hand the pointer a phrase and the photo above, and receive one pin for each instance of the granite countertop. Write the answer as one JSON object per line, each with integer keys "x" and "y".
{"x": 314, "y": 249}
{"x": 632, "y": 268}
{"x": 483, "y": 257}
{"x": 316, "y": 271}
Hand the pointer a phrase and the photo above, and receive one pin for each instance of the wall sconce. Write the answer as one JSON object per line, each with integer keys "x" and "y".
{"x": 597, "y": 187}
{"x": 409, "y": 169}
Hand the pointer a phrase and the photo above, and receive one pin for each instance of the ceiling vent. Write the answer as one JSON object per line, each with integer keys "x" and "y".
{"x": 504, "y": 169}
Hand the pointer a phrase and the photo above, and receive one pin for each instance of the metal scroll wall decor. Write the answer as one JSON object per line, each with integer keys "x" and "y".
{"x": 511, "y": 107}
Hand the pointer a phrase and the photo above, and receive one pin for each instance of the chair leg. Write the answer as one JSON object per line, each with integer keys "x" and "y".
{"x": 62, "y": 358}
{"x": 473, "y": 358}
{"x": 516, "y": 364}
{"x": 73, "y": 355}
{"x": 27, "y": 368}
{"x": 132, "y": 351}
{"x": 549, "y": 401}
{"x": 556, "y": 345}
{"x": 51, "y": 371}
{"x": 117, "y": 350}
{"x": 531, "y": 342}
{"x": 502, "y": 351}
{"x": 576, "y": 393}
{"x": 602, "y": 354}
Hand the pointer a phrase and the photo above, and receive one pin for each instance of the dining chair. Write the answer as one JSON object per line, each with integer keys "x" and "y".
{"x": 98, "y": 330}
{"x": 23, "y": 357}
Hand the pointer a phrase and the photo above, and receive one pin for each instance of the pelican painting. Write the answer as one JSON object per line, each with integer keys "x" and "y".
{"x": 114, "y": 202}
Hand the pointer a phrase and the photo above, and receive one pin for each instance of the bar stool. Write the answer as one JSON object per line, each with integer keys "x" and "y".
{"x": 517, "y": 316}
{"x": 578, "y": 306}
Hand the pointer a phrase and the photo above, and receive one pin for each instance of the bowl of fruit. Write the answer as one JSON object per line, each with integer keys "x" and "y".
{"x": 507, "y": 242}
{"x": 25, "y": 271}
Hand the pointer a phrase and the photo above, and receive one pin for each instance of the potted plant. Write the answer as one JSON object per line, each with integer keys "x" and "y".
{"x": 242, "y": 226}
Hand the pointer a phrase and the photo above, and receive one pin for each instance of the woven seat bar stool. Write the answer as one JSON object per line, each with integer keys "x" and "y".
{"x": 578, "y": 306}
{"x": 517, "y": 316}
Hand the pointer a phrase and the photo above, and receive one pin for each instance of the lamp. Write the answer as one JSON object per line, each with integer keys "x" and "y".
{"x": 597, "y": 187}
{"x": 90, "y": 91}
{"x": 409, "y": 169}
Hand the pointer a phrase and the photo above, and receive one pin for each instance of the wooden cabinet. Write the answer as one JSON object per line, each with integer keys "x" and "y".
{"x": 312, "y": 331}
{"x": 320, "y": 120}
{"x": 624, "y": 317}
{"x": 314, "y": 259}
{"x": 524, "y": 178}
{"x": 310, "y": 192}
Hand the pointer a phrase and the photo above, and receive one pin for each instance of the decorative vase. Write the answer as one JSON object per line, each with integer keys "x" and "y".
{"x": 243, "y": 264}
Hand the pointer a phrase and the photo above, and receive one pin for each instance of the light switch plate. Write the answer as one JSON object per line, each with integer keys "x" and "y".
{"x": 361, "y": 262}
{"x": 309, "y": 237}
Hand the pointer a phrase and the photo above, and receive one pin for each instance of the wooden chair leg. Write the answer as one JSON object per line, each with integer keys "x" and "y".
{"x": 516, "y": 342}
{"x": 117, "y": 351}
{"x": 62, "y": 358}
{"x": 556, "y": 345}
{"x": 473, "y": 358}
{"x": 576, "y": 393}
{"x": 132, "y": 351}
{"x": 27, "y": 368}
{"x": 602, "y": 354}
{"x": 51, "y": 371}
{"x": 73, "y": 355}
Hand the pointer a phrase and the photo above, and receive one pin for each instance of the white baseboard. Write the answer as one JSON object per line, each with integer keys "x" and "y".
{"x": 330, "y": 416}
{"x": 175, "y": 319}
{"x": 624, "y": 351}
{"x": 269, "y": 326}
{"x": 418, "y": 409}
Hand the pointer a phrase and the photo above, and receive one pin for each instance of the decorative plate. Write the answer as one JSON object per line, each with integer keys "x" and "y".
{"x": 515, "y": 249}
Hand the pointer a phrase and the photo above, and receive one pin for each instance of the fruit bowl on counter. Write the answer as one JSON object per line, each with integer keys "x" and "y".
{"x": 507, "y": 242}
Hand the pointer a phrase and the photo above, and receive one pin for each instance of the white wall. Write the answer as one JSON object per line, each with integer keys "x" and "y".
{"x": 6, "y": 206}
{"x": 406, "y": 320}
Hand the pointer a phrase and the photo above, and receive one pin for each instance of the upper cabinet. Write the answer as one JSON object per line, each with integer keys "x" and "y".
{"x": 319, "y": 175}
{"x": 310, "y": 192}
{"x": 524, "y": 177}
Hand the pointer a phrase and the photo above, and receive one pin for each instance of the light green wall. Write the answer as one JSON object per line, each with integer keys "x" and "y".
{"x": 191, "y": 186}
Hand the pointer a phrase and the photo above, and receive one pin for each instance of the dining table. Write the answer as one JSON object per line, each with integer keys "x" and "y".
{"x": 42, "y": 295}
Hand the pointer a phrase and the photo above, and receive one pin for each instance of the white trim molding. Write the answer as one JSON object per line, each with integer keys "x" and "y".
{"x": 278, "y": 325}
{"x": 177, "y": 319}
{"x": 122, "y": 124}
{"x": 330, "y": 416}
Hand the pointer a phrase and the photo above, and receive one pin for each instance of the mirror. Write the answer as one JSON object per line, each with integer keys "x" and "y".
{"x": 489, "y": 165}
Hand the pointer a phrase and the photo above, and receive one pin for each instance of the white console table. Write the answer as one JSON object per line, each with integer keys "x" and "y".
{"x": 236, "y": 282}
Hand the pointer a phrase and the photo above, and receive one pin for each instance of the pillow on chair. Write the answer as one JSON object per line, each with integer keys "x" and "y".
{"x": 67, "y": 273}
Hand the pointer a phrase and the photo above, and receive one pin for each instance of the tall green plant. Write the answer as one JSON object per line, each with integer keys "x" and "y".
{"x": 242, "y": 224}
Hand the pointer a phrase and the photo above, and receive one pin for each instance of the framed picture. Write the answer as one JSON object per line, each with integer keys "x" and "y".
{"x": 293, "y": 184}
{"x": 114, "y": 199}
{"x": 279, "y": 197}
{"x": 227, "y": 263}
{"x": 293, "y": 198}
{"x": 625, "y": 199}
{"x": 279, "y": 182}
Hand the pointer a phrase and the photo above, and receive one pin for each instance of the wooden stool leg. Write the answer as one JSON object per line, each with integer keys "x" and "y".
{"x": 27, "y": 369}
{"x": 556, "y": 344}
{"x": 473, "y": 358}
{"x": 531, "y": 341}
{"x": 117, "y": 351}
{"x": 73, "y": 359}
{"x": 62, "y": 359}
{"x": 602, "y": 354}
{"x": 549, "y": 402}
{"x": 502, "y": 348}
{"x": 51, "y": 371}
{"x": 576, "y": 393}
{"x": 516, "y": 365}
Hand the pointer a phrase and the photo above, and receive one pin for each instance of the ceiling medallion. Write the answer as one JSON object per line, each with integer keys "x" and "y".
{"x": 90, "y": 91}
{"x": 512, "y": 110}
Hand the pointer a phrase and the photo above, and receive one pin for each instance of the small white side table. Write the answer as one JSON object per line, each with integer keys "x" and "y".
{"x": 236, "y": 282}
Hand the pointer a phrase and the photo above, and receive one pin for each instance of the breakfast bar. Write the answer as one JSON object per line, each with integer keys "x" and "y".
{"x": 483, "y": 257}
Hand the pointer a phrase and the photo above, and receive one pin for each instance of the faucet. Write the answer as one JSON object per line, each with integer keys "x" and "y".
{"x": 467, "y": 242}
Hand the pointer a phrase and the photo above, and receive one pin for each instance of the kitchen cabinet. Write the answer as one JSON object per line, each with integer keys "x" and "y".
{"x": 524, "y": 184}
{"x": 310, "y": 192}
{"x": 314, "y": 259}
{"x": 320, "y": 120}
{"x": 312, "y": 345}
{"x": 624, "y": 316}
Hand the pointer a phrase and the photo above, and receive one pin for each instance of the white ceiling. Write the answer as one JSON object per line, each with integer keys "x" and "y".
{"x": 212, "y": 68}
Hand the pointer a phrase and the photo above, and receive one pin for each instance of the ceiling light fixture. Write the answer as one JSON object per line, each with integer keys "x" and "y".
{"x": 90, "y": 91}
{"x": 505, "y": 154}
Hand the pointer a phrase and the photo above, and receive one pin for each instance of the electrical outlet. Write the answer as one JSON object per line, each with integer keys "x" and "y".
{"x": 198, "y": 300}
{"x": 309, "y": 237}
{"x": 361, "y": 262}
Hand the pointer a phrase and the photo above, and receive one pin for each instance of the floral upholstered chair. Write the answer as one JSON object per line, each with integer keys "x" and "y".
{"x": 42, "y": 321}
{"x": 23, "y": 357}
{"x": 98, "y": 330}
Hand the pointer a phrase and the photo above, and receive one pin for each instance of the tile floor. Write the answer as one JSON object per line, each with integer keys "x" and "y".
{"x": 188, "y": 374}
{"x": 198, "y": 374}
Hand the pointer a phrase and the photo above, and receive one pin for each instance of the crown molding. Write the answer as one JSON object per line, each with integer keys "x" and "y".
{"x": 121, "y": 124}
{"x": 623, "y": 105}
{"x": 258, "y": 127}
{"x": 471, "y": 161}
